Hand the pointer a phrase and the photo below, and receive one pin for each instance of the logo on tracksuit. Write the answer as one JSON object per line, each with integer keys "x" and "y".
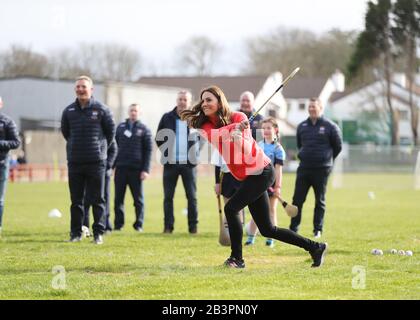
{"x": 94, "y": 115}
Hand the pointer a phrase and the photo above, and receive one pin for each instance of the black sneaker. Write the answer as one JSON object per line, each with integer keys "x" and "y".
{"x": 317, "y": 234}
{"x": 319, "y": 254}
{"x": 74, "y": 238}
{"x": 168, "y": 231}
{"x": 193, "y": 230}
{"x": 98, "y": 239}
{"x": 234, "y": 263}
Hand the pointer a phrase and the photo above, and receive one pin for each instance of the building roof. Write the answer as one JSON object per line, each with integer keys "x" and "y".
{"x": 339, "y": 95}
{"x": 233, "y": 87}
{"x": 304, "y": 88}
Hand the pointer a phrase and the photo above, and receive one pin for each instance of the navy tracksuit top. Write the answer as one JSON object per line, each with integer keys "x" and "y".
{"x": 318, "y": 144}
{"x": 134, "y": 146}
{"x": 88, "y": 131}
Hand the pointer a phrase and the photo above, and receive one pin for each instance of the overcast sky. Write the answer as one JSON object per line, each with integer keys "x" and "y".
{"x": 156, "y": 28}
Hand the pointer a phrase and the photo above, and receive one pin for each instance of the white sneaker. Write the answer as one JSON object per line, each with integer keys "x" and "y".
{"x": 86, "y": 232}
{"x": 317, "y": 234}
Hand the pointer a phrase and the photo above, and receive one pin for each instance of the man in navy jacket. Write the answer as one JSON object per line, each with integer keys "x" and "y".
{"x": 89, "y": 128}
{"x": 132, "y": 165}
{"x": 319, "y": 143}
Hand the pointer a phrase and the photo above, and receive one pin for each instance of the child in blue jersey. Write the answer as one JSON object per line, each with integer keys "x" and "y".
{"x": 273, "y": 149}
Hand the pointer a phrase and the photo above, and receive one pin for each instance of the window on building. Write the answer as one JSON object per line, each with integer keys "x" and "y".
{"x": 302, "y": 106}
{"x": 272, "y": 113}
{"x": 404, "y": 115}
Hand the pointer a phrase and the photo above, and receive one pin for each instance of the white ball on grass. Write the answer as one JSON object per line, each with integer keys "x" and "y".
{"x": 55, "y": 213}
{"x": 377, "y": 252}
{"x": 409, "y": 253}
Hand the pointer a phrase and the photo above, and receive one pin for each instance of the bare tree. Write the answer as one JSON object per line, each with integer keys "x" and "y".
{"x": 22, "y": 61}
{"x": 283, "y": 49}
{"x": 103, "y": 62}
{"x": 120, "y": 63}
{"x": 198, "y": 55}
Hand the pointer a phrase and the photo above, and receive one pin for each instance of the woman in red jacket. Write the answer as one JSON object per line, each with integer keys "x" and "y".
{"x": 229, "y": 132}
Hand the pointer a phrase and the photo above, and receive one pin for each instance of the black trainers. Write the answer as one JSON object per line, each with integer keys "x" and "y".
{"x": 74, "y": 238}
{"x": 317, "y": 234}
{"x": 98, "y": 239}
{"x": 234, "y": 263}
{"x": 319, "y": 254}
{"x": 193, "y": 230}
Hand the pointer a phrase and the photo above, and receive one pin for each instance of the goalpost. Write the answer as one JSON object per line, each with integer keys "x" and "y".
{"x": 417, "y": 173}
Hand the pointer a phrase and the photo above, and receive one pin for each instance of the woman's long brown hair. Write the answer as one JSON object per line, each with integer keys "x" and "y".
{"x": 196, "y": 117}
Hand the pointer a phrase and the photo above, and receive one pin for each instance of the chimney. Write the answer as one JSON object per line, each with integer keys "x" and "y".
{"x": 339, "y": 81}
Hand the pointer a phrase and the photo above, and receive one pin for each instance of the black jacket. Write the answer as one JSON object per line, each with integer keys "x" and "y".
{"x": 135, "y": 150}
{"x": 255, "y": 124}
{"x": 166, "y": 135}
{"x": 9, "y": 137}
{"x": 88, "y": 131}
{"x": 318, "y": 144}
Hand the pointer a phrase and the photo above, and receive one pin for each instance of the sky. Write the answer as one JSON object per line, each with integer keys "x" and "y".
{"x": 157, "y": 28}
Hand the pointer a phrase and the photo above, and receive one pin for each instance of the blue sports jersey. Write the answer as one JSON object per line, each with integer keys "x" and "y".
{"x": 274, "y": 151}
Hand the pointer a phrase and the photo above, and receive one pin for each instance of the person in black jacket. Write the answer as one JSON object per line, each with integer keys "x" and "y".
{"x": 319, "y": 143}
{"x": 247, "y": 101}
{"x": 179, "y": 147}
{"x": 111, "y": 156}
{"x": 9, "y": 139}
{"x": 135, "y": 144}
{"x": 88, "y": 127}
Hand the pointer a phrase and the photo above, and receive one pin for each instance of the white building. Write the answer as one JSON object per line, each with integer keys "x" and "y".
{"x": 349, "y": 107}
{"x": 300, "y": 90}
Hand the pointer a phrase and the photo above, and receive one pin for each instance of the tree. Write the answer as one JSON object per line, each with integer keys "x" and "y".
{"x": 374, "y": 44}
{"x": 406, "y": 33}
{"x": 198, "y": 55}
{"x": 22, "y": 61}
{"x": 103, "y": 62}
{"x": 284, "y": 49}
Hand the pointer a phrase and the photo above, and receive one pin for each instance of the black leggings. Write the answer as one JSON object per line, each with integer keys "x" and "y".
{"x": 253, "y": 193}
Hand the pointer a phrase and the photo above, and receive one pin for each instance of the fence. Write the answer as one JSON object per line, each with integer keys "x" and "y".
{"x": 372, "y": 159}
{"x": 353, "y": 159}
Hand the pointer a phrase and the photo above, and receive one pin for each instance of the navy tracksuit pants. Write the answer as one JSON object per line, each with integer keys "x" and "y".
{"x": 87, "y": 180}
{"x": 317, "y": 178}
{"x": 128, "y": 177}
{"x": 86, "y": 219}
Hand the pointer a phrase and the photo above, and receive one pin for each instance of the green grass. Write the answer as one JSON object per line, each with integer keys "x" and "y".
{"x": 179, "y": 266}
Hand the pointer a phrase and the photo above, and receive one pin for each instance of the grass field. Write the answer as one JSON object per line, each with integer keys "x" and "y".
{"x": 179, "y": 266}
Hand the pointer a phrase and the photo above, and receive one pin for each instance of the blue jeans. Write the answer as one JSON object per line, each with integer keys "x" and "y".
{"x": 4, "y": 176}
